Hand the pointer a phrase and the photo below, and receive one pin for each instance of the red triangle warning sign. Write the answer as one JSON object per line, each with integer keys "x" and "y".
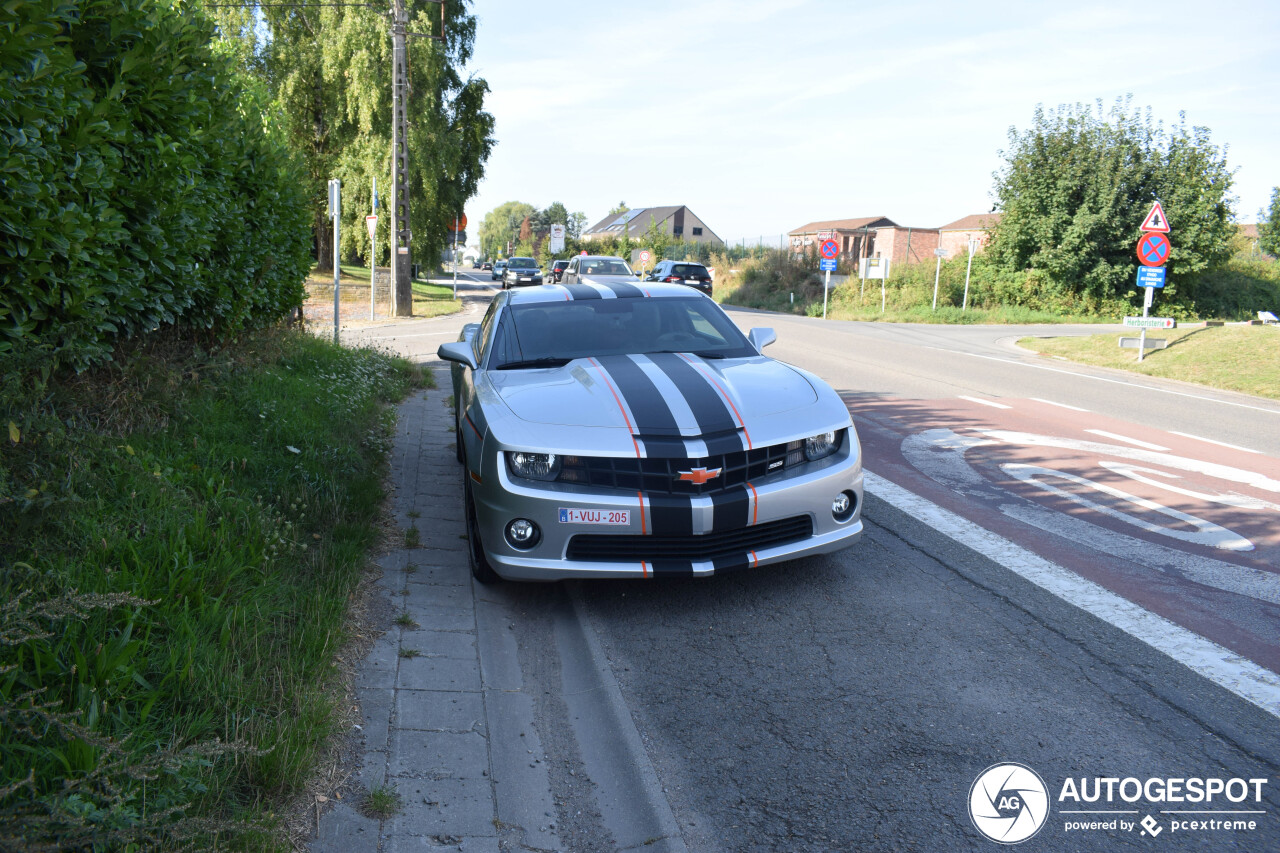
{"x": 1155, "y": 220}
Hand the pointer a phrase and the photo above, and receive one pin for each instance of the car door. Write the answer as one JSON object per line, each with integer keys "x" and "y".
{"x": 571, "y": 274}
{"x": 471, "y": 425}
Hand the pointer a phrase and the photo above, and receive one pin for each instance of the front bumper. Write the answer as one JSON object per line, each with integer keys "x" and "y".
{"x": 774, "y": 501}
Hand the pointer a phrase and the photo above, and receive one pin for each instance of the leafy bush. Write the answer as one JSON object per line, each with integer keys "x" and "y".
{"x": 144, "y": 184}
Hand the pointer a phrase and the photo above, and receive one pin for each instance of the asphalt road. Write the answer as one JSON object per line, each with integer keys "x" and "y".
{"x": 850, "y": 702}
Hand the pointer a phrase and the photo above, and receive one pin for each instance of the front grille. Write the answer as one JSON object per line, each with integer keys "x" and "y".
{"x": 594, "y": 547}
{"x": 662, "y": 476}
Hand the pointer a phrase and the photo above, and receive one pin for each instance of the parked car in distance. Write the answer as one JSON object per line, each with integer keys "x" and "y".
{"x": 682, "y": 272}
{"x": 613, "y": 429}
{"x": 499, "y": 267}
{"x": 486, "y": 266}
{"x": 557, "y": 270}
{"x": 521, "y": 272}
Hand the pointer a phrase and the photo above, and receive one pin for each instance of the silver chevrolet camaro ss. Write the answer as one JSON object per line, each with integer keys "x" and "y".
{"x": 628, "y": 430}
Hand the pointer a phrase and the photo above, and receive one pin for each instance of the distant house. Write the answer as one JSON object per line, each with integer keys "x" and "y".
{"x": 867, "y": 237}
{"x": 955, "y": 236}
{"x": 678, "y": 222}
{"x": 1250, "y": 233}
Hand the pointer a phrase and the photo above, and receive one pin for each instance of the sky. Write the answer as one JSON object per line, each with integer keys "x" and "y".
{"x": 763, "y": 115}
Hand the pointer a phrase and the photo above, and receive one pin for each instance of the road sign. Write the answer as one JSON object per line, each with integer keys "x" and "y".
{"x": 830, "y": 249}
{"x": 1151, "y": 322}
{"x": 644, "y": 257}
{"x": 827, "y": 265}
{"x": 1153, "y": 249}
{"x": 1150, "y": 276}
{"x": 460, "y": 223}
{"x": 372, "y": 222}
{"x": 1156, "y": 220}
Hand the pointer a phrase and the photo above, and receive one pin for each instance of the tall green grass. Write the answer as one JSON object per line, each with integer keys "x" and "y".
{"x": 179, "y": 535}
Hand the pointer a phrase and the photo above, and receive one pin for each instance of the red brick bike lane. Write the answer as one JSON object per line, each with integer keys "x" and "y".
{"x": 1182, "y": 526}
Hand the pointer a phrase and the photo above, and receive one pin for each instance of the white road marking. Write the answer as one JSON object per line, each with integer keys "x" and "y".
{"x": 1222, "y": 666}
{"x": 1241, "y": 580}
{"x": 1059, "y": 405}
{"x": 1169, "y": 460}
{"x": 1229, "y": 499}
{"x": 1134, "y": 441}
{"x": 1205, "y": 532}
{"x": 1130, "y": 383}
{"x": 1211, "y": 441}
{"x": 990, "y": 403}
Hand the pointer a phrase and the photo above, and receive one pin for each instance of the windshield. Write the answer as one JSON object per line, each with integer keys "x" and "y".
{"x": 549, "y": 334}
{"x": 521, "y": 263}
{"x": 604, "y": 266}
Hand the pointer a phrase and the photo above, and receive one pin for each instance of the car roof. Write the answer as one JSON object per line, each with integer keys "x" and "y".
{"x": 598, "y": 290}
{"x": 599, "y": 258}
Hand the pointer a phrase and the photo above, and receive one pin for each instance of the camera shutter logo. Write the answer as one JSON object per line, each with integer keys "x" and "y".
{"x": 1008, "y": 803}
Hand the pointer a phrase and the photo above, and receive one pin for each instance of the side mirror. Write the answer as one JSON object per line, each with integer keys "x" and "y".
{"x": 761, "y": 337}
{"x": 459, "y": 352}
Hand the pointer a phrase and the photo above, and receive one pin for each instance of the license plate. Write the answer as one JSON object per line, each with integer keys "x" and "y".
{"x": 595, "y": 516}
{"x": 526, "y": 278}
{"x": 692, "y": 281}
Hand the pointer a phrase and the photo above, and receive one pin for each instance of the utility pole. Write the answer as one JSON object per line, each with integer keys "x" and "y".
{"x": 401, "y": 266}
{"x": 401, "y": 284}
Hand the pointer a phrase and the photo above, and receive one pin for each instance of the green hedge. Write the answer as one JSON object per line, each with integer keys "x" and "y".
{"x": 144, "y": 183}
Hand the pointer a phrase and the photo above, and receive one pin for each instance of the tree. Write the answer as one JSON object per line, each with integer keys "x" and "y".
{"x": 657, "y": 239}
{"x": 576, "y": 224}
{"x": 1269, "y": 226}
{"x": 555, "y": 214}
{"x": 329, "y": 68}
{"x": 1076, "y": 186}
{"x": 620, "y": 207}
{"x": 501, "y": 226}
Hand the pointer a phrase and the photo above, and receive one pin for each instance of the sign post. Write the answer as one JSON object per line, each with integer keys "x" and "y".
{"x": 372, "y": 222}
{"x": 937, "y": 270}
{"x": 335, "y": 212}
{"x": 973, "y": 247}
{"x": 829, "y": 251}
{"x": 458, "y": 225}
{"x": 644, "y": 259}
{"x": 1153, "y": 252}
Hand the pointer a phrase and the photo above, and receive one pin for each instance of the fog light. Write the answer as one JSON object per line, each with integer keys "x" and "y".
{"x": 523, "y": 534}
{"x": 842, "y": 508}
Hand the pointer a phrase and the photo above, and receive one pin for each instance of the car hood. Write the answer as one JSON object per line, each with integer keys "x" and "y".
{"x": 655, "y": 396}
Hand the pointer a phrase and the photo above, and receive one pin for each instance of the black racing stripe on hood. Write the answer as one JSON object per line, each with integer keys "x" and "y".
{"x": 731, "y": 510}
{"x": 671, "y": 515}
{"x": 656, "y": 447}
{"x": 708, "y": 408}
{"x": 717, "y": 445}
{"x": 672, "y": 569}
{"x": 582, "y": 291}
{"x": 623, "y": 290}
{"x": 652, "y": 414}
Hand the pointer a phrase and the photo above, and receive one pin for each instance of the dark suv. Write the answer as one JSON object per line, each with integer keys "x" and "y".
{"x": 557, "y": 270}
{"x": 521, "y": 271}
{"x": 682, "y": 272}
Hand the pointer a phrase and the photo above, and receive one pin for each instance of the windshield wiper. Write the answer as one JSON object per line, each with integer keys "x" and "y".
{"x": 535, "y": 362}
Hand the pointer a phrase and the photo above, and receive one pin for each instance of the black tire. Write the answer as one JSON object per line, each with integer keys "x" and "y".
{"x": 457, "y": 433}
{"x": 480, "y": 568}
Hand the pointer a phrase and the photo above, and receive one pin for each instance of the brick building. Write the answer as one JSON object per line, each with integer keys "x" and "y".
{"x": 868, "y": 237}
{"x": 955, "y": 236}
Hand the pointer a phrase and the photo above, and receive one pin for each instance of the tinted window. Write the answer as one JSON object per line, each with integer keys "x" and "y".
{"x": 690, "y": 270}
{"x": 522, "y": 262}
{"x": 604, "y": 266}
{"x": 595, "y": 327}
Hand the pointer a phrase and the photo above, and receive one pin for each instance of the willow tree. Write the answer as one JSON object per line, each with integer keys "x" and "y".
{"x": 330, "y": 67}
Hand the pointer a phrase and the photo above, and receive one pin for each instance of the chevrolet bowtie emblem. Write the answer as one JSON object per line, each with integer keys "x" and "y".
{"x": 699, "y": 476}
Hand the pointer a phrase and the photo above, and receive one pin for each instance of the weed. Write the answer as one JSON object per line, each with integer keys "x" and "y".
{"x": 404, "y": 620}
{"x": 412, "y": 537}
{"x": 410, "y": 653}
{"x": 413, "y": 513}
{"x": 381, "y": 802}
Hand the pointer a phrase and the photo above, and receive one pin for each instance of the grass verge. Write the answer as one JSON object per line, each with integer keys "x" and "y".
{"x": 179, "y": 535}
{"x": 1233, "y": 358}
{"x": 429, "y": 300}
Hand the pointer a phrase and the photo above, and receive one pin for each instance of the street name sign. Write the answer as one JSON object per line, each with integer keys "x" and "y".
{"x": 1151, "y": 322}
{"x": 1150, "y": 276}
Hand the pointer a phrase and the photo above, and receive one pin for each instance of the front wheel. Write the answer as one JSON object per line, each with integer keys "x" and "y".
{"x": 481, "y": 570}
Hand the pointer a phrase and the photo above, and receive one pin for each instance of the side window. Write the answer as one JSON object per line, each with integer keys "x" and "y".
{"x": 480, "y": 339}
{"x": 697, "y": 232}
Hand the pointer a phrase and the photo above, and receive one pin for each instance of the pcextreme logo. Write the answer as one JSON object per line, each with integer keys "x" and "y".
{"x": 1008, "y": 803}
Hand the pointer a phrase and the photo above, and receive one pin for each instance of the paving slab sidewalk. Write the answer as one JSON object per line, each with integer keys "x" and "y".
{"x": 445, "y": 720}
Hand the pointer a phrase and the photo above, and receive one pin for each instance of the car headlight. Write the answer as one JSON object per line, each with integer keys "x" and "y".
{"x": 821, "y": 446}
{"x": 533, "y": 466}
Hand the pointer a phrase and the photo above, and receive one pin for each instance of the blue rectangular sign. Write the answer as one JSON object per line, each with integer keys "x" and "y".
{"x": 1150, "y": 276}
{"x": 827, "y": 265}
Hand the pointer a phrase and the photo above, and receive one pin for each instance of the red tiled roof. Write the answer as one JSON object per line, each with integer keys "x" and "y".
{"x": 973, "y": 222}
{"x": 843, "y": 225}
